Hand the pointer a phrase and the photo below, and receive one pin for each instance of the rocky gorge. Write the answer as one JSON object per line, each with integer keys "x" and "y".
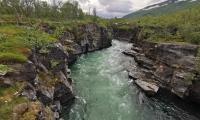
{"x": 169, "y": 66}
{"x": 45, "y": 78}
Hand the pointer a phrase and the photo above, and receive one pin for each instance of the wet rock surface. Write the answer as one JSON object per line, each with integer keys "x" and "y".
{"x": 149, "y": 88}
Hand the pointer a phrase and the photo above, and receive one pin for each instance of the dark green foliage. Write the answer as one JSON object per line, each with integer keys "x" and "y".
{"x": 40, "y": 9}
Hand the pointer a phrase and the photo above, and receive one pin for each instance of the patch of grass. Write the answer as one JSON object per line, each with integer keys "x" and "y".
{"x": 16, "y": 42}
{"x": 7, "y": 57}
{"x": 10, "y": 30}
{"x": 8, "y": 100}
{"x": 6, "y": 108}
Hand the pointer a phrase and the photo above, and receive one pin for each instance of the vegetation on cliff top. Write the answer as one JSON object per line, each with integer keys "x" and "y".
{"x": 16, "y": 42}
{"x": 20, "y": 22}
{"x": 165, "y": 7}
{"x": 182, "y": 26}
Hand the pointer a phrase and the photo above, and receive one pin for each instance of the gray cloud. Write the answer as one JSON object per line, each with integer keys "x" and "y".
{"x": 115, "y": 8}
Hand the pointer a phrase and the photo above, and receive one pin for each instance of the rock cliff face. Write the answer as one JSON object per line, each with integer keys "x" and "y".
{"x": 169, "y": 66}
{"x": 163, "y": 65}
{"x": 129, "y": 34}
{"x": 86, "y": 38}
{"x": 46, "y": 77}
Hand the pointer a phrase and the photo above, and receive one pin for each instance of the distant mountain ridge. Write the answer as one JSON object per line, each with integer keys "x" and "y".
{"x": 165, "y": 7}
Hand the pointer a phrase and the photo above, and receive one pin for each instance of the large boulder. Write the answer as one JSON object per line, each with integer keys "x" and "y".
{"x": 63, "y": 94}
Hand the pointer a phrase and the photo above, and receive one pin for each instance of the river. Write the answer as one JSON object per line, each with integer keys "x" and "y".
{"x": 104, "y": 91}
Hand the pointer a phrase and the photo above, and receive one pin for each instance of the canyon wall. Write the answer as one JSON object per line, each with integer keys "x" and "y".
{"x": 172, "y": 66}
{"x": 45, "y": 77}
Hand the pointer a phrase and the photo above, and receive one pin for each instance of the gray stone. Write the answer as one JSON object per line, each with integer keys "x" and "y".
{"x": 130, "y": 53}
{"x": 147, "y": 87}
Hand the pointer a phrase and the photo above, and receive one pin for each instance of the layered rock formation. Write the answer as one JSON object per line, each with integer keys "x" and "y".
{"x": 86, "y": 38}
{"x": 169, "y": 66}
{"x": 46, "y": 77}
{"x": 126, "y": 34}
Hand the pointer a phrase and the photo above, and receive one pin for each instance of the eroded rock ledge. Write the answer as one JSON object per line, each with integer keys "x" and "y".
{"x": 45, "y": 79}
{"x": 169, "y": 66}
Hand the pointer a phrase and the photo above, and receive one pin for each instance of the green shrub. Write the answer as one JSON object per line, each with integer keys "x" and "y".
{"x": 36, "y": 39}
{"x": 194, "y": 38}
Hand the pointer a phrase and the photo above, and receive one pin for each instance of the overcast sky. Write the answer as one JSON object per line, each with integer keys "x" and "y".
{"x": 115, "y": 8}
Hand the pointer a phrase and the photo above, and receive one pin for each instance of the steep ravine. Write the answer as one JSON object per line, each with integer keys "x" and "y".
{"x": 105, "y": 92}
{"x": 44, "y": 80}
{"x": 170, "y": 66}
{"x": 101, "y": 79}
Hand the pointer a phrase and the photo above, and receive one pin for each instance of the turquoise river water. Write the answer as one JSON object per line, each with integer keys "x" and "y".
{"x": 104, "y": 91}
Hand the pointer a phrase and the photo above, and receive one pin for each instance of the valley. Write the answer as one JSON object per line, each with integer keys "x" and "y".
{"x": 58, "y": 62}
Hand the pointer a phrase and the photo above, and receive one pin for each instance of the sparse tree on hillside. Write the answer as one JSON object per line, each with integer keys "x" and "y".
{"x": 41, "y": 9}
{"x": 94, "y": 14}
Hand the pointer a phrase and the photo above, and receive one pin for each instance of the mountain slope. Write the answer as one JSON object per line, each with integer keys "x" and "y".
{"x": 166, "y": 7}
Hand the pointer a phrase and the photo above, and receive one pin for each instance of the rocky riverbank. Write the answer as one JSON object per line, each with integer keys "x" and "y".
{"x": 171, "y": 66}
{"x": 44, "y": 79}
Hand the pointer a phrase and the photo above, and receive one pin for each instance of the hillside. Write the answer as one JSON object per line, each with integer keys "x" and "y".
{"x": 169, "y": 6}
{"x": 182, "y": 26}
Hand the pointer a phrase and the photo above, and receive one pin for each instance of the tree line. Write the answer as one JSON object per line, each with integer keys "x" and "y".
{"x": 41, "y": 9}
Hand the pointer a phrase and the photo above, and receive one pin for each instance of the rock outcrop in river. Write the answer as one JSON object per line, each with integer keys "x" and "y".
{"x": 45, "y": 78}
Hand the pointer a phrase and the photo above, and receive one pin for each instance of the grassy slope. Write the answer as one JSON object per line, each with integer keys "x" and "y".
{"x": 170, "y": 8}
{"x": 182, "y": 26}
{"x": 16, "y": 43}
